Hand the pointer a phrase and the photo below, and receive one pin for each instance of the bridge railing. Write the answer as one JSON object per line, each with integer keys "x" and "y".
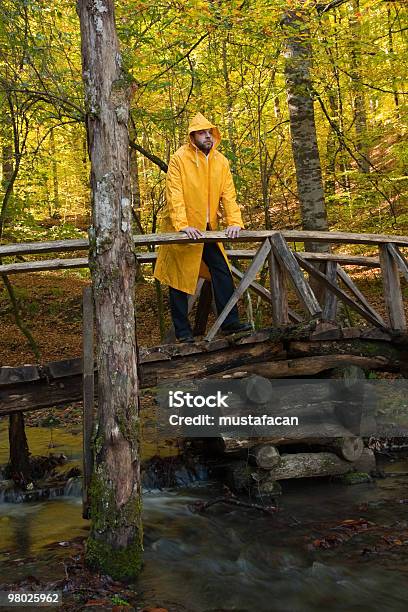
{"x": 324, "y": 269}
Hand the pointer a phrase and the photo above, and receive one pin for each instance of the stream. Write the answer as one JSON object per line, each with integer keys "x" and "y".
{"x": 235, "y": 558}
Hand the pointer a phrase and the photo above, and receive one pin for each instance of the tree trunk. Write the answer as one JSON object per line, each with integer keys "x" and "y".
{"x": 391, "y": 53}
{"x": 360, "y": 114}
{"x": 302, "y": 123}
{"x": 115, "y": 542}
{"x": 229, "y": 99}
{"x": 331, "y": 150}
{"x": 55, "y": 184}
{"x": 7, "y": 170}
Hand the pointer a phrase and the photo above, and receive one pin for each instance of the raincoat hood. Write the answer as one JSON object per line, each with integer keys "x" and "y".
{"x": 199, "y": 122}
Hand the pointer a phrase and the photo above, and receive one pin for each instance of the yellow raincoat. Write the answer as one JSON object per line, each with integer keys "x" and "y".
{"x": 196, "y": 184}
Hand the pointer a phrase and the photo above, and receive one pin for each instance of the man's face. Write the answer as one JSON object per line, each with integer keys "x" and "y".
{"x": 203, "y": 139}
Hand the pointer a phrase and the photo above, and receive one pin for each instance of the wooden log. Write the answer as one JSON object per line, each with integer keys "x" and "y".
{"x": 229, "y": 445}
{"x": 289, "y": 263}
{"x": 330, "y": 300}
{"x": 40, "y": 395}
{"x": 54, "y": 246}
{"x": 354, "y": 346}
{"x": 249, "y": 276}
{"x": 278, "y": 290}
{"x": 261, "y": 235}
{"x": 12, "y": 376}
{"x": 265, "y": 456}
{"x": 337, "y": 291}
{"x": 306, "y": 366}
{"x": 61, "y": 369}
{"x": 242, "y": 477}
{"x": 326, "y": 330}
{"x": 350, "y": 448}
{"x": 205, "y": 364}
{"x": 349, "y": 283}
{"x": 148, "y": 258}
{"x": 88, "y": 397}
{"x": 350, "y": 414}
{"x": 28, "y": 248}
{"x": 392, "y": 289}
{"x": 43, "y": 265}
{"x": 258, "y": 390}
{"x": 342, "y": 258}
{"x": 308, "y": 465}
{"x": 400, "y": 259}
{"x": 377, "y": 334}
{"x": 19, "y": 452}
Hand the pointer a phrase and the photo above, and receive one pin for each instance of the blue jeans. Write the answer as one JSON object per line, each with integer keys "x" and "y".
{"x": 223, "y": 288}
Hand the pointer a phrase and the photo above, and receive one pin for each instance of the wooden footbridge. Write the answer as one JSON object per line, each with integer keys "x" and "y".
{"x": 301, "y": 341}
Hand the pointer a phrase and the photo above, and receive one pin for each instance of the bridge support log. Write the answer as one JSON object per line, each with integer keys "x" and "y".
{"x": 349, "y": 449}
{"x": 308, "y": 366}
{"x": 242, "y": 477}
{"x": 265, "y": 456}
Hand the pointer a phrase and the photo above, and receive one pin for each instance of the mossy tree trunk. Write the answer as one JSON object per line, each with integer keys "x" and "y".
{"x": 115, "y": 542}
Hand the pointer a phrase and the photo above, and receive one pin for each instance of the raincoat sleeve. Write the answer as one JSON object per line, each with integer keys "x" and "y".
{"x": 174, "y": 196}
{"x": 229, "y": 201}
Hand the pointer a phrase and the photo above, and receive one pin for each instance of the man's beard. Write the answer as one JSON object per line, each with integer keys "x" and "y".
{"x": 205, "y": 147}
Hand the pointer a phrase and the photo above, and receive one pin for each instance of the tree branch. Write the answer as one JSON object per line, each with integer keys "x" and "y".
{"x": 156, "y": 76}
{"x": 153, "y": 158}
{"x": 323, "y": 8}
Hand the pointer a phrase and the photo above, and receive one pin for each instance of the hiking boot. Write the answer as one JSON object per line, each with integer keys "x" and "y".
{"x": 186, "y": 338}
{"x": 235, "y": 328}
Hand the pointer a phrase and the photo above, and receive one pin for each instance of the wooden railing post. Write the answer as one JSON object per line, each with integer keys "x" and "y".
{"x": 88, "y": 396}
{"x": 330, "y": 299}
{"x": 392, "y": 289}
{"x": 288, "y": 260}
{"x": 279, "y": 294}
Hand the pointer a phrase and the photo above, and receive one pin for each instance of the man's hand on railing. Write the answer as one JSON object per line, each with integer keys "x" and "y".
{"x": 232, "y": 231}
{"x": 192, "y": 232}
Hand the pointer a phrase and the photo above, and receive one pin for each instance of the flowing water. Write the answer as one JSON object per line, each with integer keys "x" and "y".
{"x": 235, "y": 558}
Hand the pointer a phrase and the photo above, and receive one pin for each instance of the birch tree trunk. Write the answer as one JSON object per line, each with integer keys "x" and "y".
{"x": 115, "y": 542}
{"x": 302, "y": 123}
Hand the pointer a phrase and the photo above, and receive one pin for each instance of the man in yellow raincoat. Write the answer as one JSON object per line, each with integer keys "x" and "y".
{"x": 198, "y": 181}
